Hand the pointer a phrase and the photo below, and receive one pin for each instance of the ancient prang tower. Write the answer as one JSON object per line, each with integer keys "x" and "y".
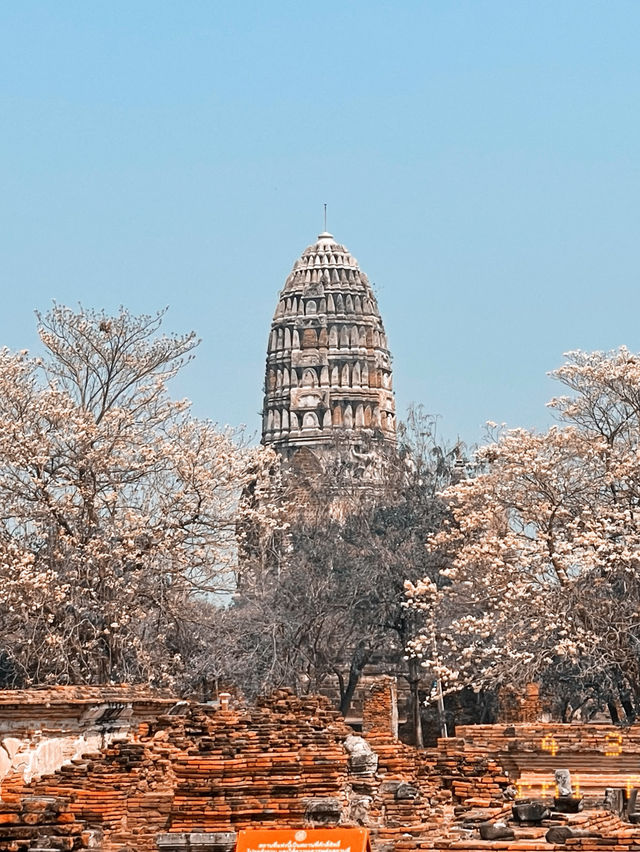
{"x": 328, "y": 386}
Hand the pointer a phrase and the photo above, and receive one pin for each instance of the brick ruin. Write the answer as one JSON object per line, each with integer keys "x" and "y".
{"x": 181, "y": 775}
{"x": 40, "y": 729}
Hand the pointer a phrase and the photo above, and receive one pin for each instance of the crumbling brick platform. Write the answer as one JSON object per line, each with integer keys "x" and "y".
{"x": 192, "y": 775}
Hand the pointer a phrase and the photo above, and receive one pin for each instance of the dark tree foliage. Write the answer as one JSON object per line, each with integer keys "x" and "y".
{"x": 329, "y": 600}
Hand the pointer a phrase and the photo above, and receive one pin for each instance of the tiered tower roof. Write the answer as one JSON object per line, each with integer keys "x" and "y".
{"x": 328, "y": 371}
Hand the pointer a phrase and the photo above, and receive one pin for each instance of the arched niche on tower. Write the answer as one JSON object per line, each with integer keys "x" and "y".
{"x": 335, "y": 376}
{"x": 355, "y": 337}
{"x": 309, "y": 378}
{"x": 337, "y": 415}
{"x": 345, "y": 379}
{"x": 323, "y": 337}
{"x": 295, "y": 339}
{"x": 311, "y": 308}
{"x": 344, "y": 338}
{"x": 359, "y": 420}
{"x": 310, "y": 421}
{"x": 347, "y": 418}
{"x": 333, "y": 337}
{"x": 326, "y": 420}
{"x": 309, "y": 338}
{"x": 324, "y": 377}
{"x": 355, "y": 375}
{"x": 287, "y": 338}
{"x": 348, "y": 304}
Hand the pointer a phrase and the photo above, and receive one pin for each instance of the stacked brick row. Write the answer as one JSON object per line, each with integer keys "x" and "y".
{"x": 123, "y": 791}
{"x": 598, "y": 755}
{"x": 405, "y": 799}
{"x": 47, "y": 822}
{"x": 281, "y": 763}
{"x": 579, "y": 738}
{"x": 286, "y": 762}
{"x": 475, "y": 778}
{"x": 65, "y": 702}
{"x": 261, "y": 767}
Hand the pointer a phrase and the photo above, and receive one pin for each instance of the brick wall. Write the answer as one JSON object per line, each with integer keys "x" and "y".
{"x": 197, "y": 778}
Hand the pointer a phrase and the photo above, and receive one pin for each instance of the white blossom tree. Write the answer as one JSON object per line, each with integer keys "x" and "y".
{"x": 117, "y": 507}
{"x": 543, "y": 581}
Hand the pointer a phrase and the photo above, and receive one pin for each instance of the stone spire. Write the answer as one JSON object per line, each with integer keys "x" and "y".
{"x": 328, "y": 372}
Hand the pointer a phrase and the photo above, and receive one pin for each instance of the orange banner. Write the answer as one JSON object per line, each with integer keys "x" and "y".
{"x": 303, "y": 840}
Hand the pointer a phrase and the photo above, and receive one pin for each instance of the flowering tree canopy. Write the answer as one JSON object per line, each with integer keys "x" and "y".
{"x": 117, "y": 507}
{"x": 543, "y": 550}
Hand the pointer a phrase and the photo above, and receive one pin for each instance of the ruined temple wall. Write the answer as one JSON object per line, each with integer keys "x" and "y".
{"x": 44, "y": 728}
{"x": 288, "y": 762}
{"x": 293, "y": 762}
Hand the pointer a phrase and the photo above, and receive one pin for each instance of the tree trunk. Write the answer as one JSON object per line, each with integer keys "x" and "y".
{"x": 416, "y": 717}
{"x": 628, "y": 707}
{"x": 359, "y": 660}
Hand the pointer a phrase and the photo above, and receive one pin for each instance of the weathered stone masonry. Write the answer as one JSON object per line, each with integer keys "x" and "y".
{"x": 328, "y": 365}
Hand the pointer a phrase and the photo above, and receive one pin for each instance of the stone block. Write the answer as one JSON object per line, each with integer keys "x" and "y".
{"x": 568, "y": 804}
{"x": 406, "y": 791}
{"x": 323, "y": 811}
{"x": 363, "y": 764}
{"x": 530, "y": 812}
{"x": 495, "y": 831}
{"x": 614, "y": 799}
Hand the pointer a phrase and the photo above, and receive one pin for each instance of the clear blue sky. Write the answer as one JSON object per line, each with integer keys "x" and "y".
{"x": 480, "y": 159}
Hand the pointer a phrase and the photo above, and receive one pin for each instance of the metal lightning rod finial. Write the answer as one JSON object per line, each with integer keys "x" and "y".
{"x": 325, "y": 218}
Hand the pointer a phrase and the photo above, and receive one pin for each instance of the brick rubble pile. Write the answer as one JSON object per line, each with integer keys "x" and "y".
{"x": 199, "y": 776}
